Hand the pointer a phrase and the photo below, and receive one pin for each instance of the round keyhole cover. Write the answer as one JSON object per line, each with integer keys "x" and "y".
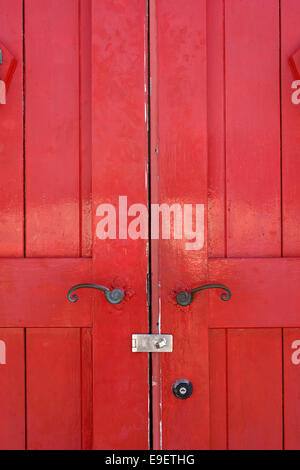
{"x": 182, "y": 389}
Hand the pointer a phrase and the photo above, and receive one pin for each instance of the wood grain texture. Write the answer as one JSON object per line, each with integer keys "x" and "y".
{"x": 34, "y": 292}
{"x": 253, "y": 128}
{"x": 155, "y": 244}
{"x": 119, "y": 168}
{"x": 12, "y": 390}
{"x": 255, "y": 389}
{"x": 291, "y": 355}
{"x": 52, "y": 128}
{"x": 290, "y": 17}
{"x": 182, "y": 160}
{"x": 85, "y": 119}
{"x": 53, "y": 389}
{"x": 11, "y": 135}
{"x": 86, "y": 388}
{"x": 216, "y": 124}
{"x": 260, "y": 289}
{"x": 218, "y": 389}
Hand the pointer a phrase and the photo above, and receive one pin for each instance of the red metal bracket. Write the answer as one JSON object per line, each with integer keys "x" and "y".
{"x": 7, "y": 69}
{"x": 294, "y": 62}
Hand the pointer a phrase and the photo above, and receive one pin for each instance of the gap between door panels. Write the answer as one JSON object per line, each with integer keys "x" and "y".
{"x": 149, "y": 274}
{"x": 153, "y": 283}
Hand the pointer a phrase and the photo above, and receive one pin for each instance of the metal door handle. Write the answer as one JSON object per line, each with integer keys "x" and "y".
{"x": 184, "y": 298}
{"x": 114, "y": 296}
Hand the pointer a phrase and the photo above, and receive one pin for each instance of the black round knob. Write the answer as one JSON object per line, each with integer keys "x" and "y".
{"x": 184, "y": 298}
{"x": 182, "y": 389}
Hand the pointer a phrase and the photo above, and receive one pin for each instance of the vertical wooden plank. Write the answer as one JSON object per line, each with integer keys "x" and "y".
{"x": 86, "y": 388}
{"x": 290, "y": 40}
{"x": 12, "y": 389}
{"x": 291, "y": 354}
{"x": 119, "y": 100}
{"x": 253, "y": 186}
{"x": 85, "y": 118}
{"x": 11, "y": 135}
{"x": 255, "y": 389}
{"x": 53, "y": 389}
{"x": 52, "y": 128}
{"x": 182, "y": 157}
{"x": 253, "y": 128}
{"x": 218, "y": 389}
{"x": 155, "y": 244}
{"x": 216, "y": 129}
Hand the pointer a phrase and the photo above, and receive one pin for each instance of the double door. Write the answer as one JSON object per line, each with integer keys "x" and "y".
{"x": 150, "y": 148}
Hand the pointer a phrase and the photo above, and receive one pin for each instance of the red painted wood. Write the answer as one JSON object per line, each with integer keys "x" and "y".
{"x": 241, "y": 179}
{"x": 58, "y": 224}
{"x": 53, "y": 389}
{"x": 86, "y": 389}
{"x": 155, "y": 244}
{"x": 34, "y": 292}
{"x": 58, "y": 205}
{"x": 12, "y": 389}
{"x": 291, "y": 351}
{"x": 181, "y": 68}
{"x": 243, "y": 55}
{"x": 119, "y": 168}
{"x": 85, "y": 118}
{"x": 8, "y": 66}
{"x": 290, "y": 17}
{"x": 52, "y": 128}
{"x": 255, "y": 389}
{"x": 216, "y": 123}
{"x": 260, "y": 289}
{"x": 218, "y": 389}
{"x": 294, "y": 62}
{"x": 253, "y": 128}
{"x": 11, "y": 136}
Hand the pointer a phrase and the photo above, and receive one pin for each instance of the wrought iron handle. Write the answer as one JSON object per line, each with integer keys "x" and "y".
{"x": 114, "y": 296}
{"x": 184, "y": 298}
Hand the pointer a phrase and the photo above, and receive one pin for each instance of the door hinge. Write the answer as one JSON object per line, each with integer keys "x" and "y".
{"x": 152, "y": 343}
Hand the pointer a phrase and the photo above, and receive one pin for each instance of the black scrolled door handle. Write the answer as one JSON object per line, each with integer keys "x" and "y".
{"x": 114, "y": 296}
{"x": 184, "y": 298}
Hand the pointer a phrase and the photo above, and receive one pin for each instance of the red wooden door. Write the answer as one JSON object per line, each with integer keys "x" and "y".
{"x": 225, "y": 134}
{"x": 68, "y": 377}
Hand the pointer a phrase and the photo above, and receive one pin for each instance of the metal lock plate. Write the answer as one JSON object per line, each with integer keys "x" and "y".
{"x": 152, "y": 343}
